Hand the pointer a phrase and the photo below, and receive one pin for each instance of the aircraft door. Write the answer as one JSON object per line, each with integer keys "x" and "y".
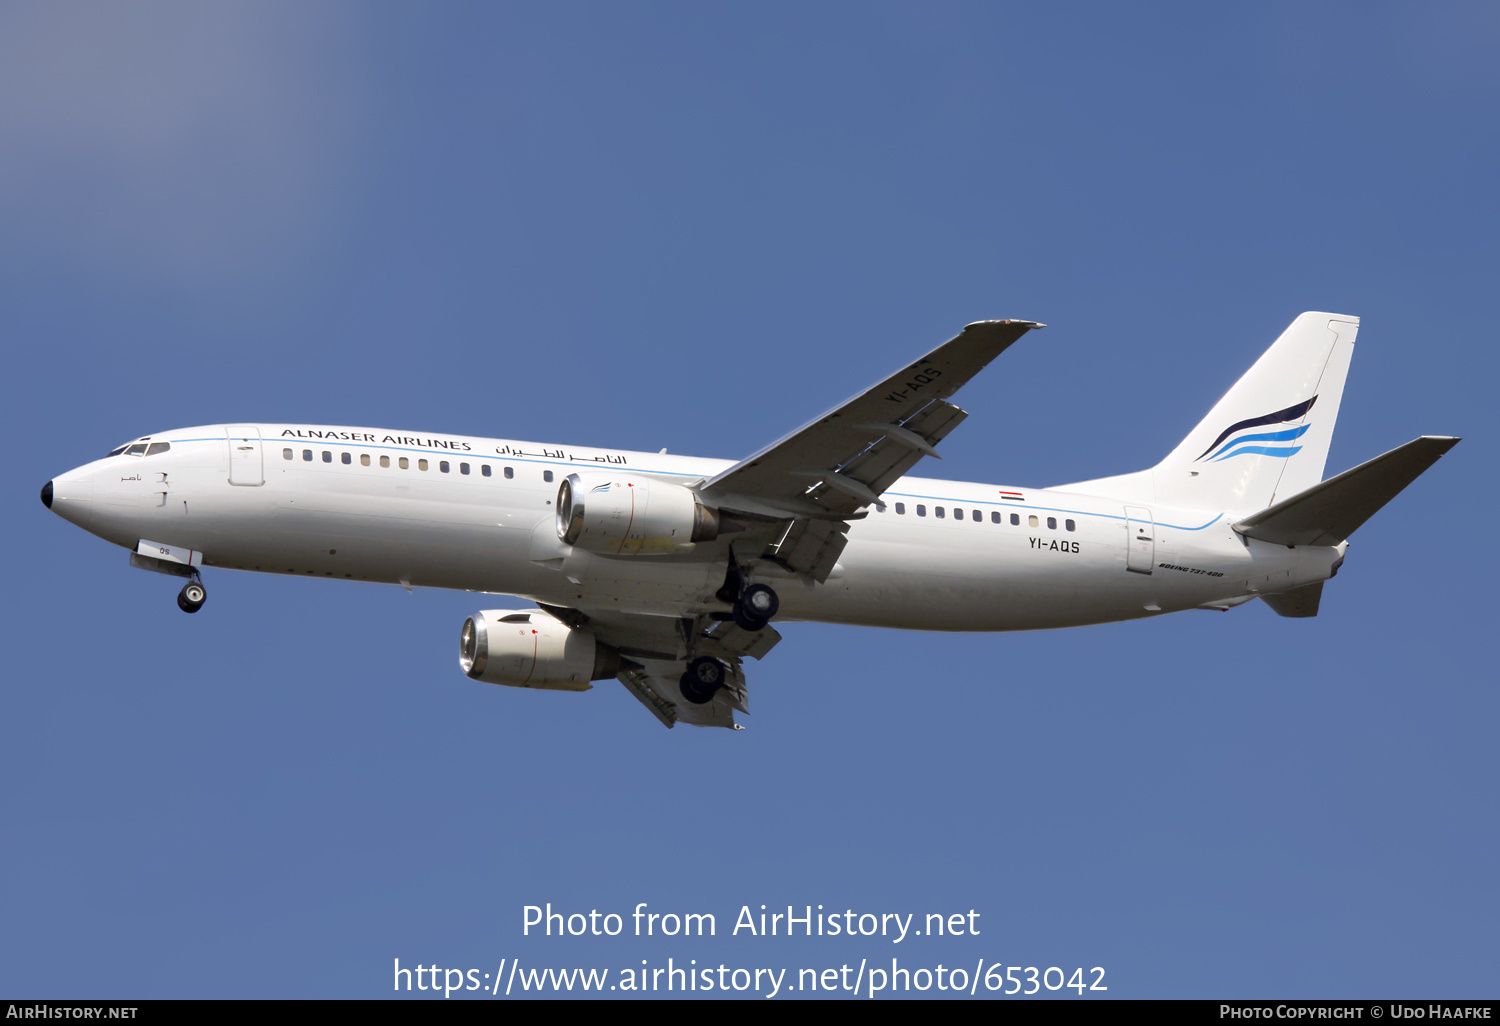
{"x": 244, "y": 455}
{"x": 1140, "y": 540}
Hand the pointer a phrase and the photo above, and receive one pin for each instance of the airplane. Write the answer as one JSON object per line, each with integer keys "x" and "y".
{"x": 666, "y": 571}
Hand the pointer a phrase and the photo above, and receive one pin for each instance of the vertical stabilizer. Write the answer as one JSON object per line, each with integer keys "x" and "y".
{"x": 1268, "y": 437}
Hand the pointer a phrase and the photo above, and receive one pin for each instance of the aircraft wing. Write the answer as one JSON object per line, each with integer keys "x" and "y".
{"x": 820, "y": 476}
{"x": 655, "y": 651}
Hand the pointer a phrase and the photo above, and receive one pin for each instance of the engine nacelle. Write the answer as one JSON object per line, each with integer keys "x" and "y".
{"x": 527, "y": 648}
{"x": 631, "y": 516}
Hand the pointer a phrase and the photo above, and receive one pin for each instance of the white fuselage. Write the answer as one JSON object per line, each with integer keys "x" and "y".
{"x": 959, "y": 557}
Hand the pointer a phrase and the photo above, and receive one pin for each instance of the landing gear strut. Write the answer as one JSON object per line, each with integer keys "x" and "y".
{"x": 753, "y": 605}
{"x": 192, "y": 596}
{"x": 703, "y": 679}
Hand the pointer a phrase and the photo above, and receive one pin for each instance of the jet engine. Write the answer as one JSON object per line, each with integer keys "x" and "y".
{"x": 527, "y": 648}
{"x": 631, "y": 516}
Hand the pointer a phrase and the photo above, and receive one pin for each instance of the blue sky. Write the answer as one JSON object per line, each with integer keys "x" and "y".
{"x": 695, "y": 227}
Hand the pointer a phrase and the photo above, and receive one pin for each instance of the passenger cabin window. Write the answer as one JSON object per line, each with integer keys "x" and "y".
{"x": 345, "y": 459}
{"x": 327, "y": 456}
{"x": 421, "y": 464}
{"x": 443, "y": 466}
{"x": 286, "y": 454}
{"x": 463, "y": 468}
{"x": 485, "y": 470}
{"x": 1052, "y": 523}
{"x": 976, "y": 516}
{"x": 901, "y": 509}
{"x": 405, "y": 464}
{"x": 1015, "y": 520}
{"x": 880, "y": 507}
{"x": 921, "y": 510}
{"x": 385, "y": 461}
{"x": 937, "y": 511}
{"x": 994, "y": 516}
{"x": 509, "y": 473}
{"x": 1070, "y": 525}
{"x": 306, "y": 455}
{"x": 364, "y": 459}
{"x": 547, "y": 475}
{"x": 1032, "y": 521}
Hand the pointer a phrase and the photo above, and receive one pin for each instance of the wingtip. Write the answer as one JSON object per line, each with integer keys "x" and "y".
{"x": 1009, "y": 320}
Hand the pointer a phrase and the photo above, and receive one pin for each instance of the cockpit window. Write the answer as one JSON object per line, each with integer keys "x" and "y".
{"x": 138, "y": 449}
{"x": 158, "y": 447}
{"x": 116, "y": 452}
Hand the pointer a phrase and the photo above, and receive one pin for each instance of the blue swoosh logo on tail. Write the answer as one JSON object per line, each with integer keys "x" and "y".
{"x": 1264, "y": 436}
{"x": 1259, "y": 450}
{"x": 1279, "y": 417}
{"x": 1237, "y": 447}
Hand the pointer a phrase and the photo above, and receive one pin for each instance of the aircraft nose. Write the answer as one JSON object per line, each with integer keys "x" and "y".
{"x": 71, "y": 496}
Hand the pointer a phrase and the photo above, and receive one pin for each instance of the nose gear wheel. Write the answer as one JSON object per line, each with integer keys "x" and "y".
{"x": 192, "y": 596}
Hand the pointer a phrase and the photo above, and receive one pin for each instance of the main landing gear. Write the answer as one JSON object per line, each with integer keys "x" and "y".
{"x": 753, "y": 606}
{"x": 192, "y": 596}
{"x": 703, "y": 679}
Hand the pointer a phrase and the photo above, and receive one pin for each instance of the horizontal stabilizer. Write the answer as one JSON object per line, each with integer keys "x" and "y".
{"x": 1328, "y": 513}
{"x": 1301, "y": 601}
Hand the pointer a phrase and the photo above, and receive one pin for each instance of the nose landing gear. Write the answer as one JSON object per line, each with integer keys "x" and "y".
{"x": 148, "y": 556}
{"x": 192, "y": 596}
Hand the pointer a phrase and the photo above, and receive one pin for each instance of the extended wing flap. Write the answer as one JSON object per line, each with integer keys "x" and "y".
{"x": 640, "y": 684}
{"x": 655, "y": 683}
{"x": 730, "y": 639}
{"x": 811, "y": 547}
{"x": 654, "y": 655}
{"x": 1329, "y": 512}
